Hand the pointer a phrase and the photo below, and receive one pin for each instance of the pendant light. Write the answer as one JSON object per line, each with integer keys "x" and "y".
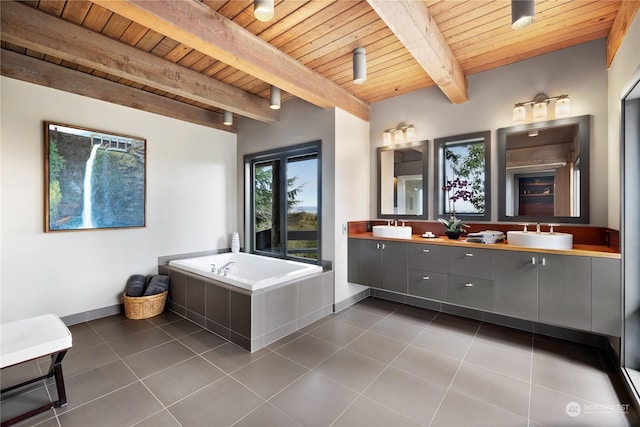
{"x": 359, "y": 65}
{"x": 523, "y": 13}
{"x": 227, "y": 118}
{"x": 275, "y": 98}
{"x": 263, "y": 10}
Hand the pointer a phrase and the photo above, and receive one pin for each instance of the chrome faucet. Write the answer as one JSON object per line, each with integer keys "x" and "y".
{"x": 227, "y": 265}
{"x": 224, "y": 270}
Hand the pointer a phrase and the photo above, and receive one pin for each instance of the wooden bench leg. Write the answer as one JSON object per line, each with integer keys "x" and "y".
{"x": 55, "y": 370}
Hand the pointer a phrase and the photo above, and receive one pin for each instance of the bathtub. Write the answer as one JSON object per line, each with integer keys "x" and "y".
{"x": 248, "y": 271}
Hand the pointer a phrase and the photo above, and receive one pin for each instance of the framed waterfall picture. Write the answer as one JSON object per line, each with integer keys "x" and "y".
{"x": 93, "y": 179}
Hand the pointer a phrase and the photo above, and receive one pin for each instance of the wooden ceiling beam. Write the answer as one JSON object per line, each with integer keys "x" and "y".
{"x": 621, "y": 23}
{"x": 37, "y": 71}
{"x": 33, "y": 29}
{"x": 199, "y": 27}
{"x": 414, "y": 26}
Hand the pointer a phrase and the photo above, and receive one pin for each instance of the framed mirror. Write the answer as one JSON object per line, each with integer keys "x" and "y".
{"x": 543, "y": 171}
{"x": 463, "y": 176}
{"x": 402, "y": 178}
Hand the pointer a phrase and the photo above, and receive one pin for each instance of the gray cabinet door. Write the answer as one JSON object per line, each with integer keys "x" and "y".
{"x": 383, "y": 264}
{"x": 352, "y": 261}
{"x": 470, "y": 291}
{"x": 471, "y": 262}
{"x": 606, "y": 296}
{"x": 428, "y": 257}
{"x": 393, "y": 274}
{"x": 516, "y": 284}
{"x": 427, "y": 284}
{"x": 369, "y": 260}
{"x": 564, "y": 290}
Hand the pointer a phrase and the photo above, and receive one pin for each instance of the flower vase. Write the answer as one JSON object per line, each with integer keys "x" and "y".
{"x": 453, "y": 235}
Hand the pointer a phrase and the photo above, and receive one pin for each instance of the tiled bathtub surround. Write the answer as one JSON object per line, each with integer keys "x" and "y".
{"x": 250, "y": 319}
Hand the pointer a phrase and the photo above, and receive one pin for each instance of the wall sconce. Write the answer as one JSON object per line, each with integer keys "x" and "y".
{"x": 227, "y": 118}
{"x": 386, "y": 137}
{"x": 275, "y": 98}
{"x": 523, "y": 13}
{"x": 399, "y": 135}
{"x": 359, "y": 65}
{"x": 263, "y": 10}
{"x": 539, "y": 106}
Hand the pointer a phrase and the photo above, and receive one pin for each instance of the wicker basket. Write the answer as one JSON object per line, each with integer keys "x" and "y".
{"x": 144, "y": 307}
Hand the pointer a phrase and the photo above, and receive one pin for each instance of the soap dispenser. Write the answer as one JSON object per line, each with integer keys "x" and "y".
{"x": 235, "y": 242}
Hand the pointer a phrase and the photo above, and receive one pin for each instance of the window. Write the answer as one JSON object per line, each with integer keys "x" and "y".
{"x": 284, "y": 202}
{"x": 463, "y": 178}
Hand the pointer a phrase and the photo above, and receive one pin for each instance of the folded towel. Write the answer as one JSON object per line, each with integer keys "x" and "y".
{"x": 157, "y": 284}
{"x": 487, "y": 236}
{"x": 135, "y": 285}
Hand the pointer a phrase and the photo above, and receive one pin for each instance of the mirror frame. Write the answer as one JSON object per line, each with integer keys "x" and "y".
{"x": 425, "y": 168}
{"x": 584, "y": 131}
{"x": 437, "y": 190}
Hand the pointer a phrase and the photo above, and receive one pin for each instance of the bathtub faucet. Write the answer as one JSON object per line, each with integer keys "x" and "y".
{"x": 227, "y": 265}
{"x": 224, "y": 270}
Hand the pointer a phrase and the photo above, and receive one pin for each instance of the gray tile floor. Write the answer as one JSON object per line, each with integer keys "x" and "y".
{"x": 375, "y": 364}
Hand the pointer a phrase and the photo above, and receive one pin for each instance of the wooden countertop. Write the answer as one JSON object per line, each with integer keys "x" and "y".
{"x": 578, "y": 250}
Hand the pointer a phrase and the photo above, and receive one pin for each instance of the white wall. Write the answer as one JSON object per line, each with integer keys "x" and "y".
{"x": 624, "y": 66}
{"x": 579, "y": 71}
{"x": 352, "y": 194}
{"x": 191, "y": 203}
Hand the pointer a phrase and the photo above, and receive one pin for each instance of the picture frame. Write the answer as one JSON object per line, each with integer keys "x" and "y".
{"x": 93, "y": 179}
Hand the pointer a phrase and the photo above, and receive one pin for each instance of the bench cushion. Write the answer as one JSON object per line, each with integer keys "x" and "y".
{"x": 28, "y": 339}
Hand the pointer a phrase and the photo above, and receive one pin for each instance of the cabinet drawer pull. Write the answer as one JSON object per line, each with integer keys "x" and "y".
{"x": 425, "y": 277}
{"x": 425, "y": 250}
{"x": 384, "y": 246}
{"x": 469, "y": 285}
{"x": 533, "y": 260}
{"x": 468, "y": 254}
{"x": 544, "y": 261}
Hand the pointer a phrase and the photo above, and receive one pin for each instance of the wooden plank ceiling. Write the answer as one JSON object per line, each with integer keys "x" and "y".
{"x": 214, "y": 55}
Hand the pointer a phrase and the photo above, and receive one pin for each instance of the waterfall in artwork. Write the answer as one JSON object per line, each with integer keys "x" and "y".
{"x": 87, "y": 215}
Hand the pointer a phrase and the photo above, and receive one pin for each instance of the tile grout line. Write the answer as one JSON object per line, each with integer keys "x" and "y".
{"x": 361, "y": 394}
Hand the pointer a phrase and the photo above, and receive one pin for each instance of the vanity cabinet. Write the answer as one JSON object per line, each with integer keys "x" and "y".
{"x": 577, "y": 292}
{"x": 516, "y": 284}
{"x": 383, "y": 265}
{"x": 427, "y": 271}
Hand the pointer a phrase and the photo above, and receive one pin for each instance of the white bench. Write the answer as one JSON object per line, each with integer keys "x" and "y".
{"x": 29, "y": 339}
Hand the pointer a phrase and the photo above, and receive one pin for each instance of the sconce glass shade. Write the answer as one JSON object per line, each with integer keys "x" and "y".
{"x": 563, "y": 107}
{"x": 386, "y": 137}
{"x": 275, "y": 98}
{"x": 411, "y": 133}
{"x": 359, "y": 65}
{"x": 519, "y": 113}
{"x": 227, "y": 118}
{"x": 398, "y": 136}
{"x": 523, "y": 13}
{"x": 540, "y": 111}
{"x": 263, "y": 10}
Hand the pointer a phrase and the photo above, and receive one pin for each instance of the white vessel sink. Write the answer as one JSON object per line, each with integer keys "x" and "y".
{"x": 546, "y": 240}
{"x": 392, "y": 232}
